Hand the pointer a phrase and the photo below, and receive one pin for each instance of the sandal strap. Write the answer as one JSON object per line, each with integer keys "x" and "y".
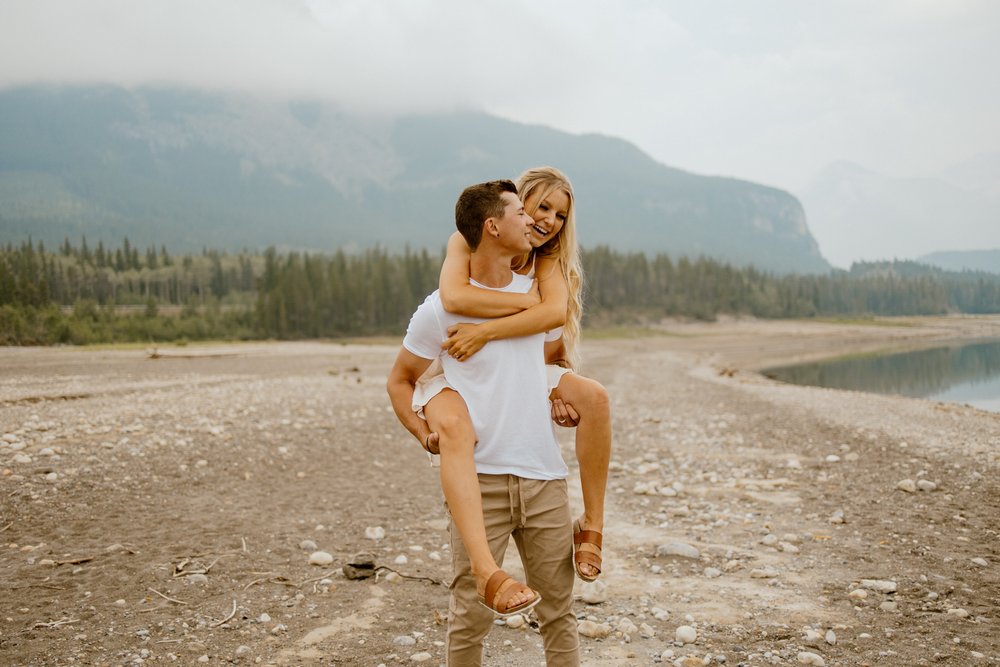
{"x": 588, "y": 537}
{"x": 493, "y": 585}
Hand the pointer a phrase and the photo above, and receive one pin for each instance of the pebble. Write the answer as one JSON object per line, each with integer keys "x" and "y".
{"x": 808, "y": 658}
{"x": 404, "y": 640}
{"x": 22, "y": 458}
{"x": 626, "y": 627}
{"x": 120, "y": 603}
{"x": 879, "y": 585}
{"x": 712, "y": 573}
{"x": 907, "y": 485}
{"x": 888, "y": 605}
{"x": 199, "y": 579}
{"x": 242, "y": 651}
{"x": 685, "y": 634}
{"x": 264, "y": 618}
{"x": 981, "y": 562}
{"x": 420, "y": 657}
{"x": 594, "y": 592}
{"x": 764, "y": 573}
{"x": 831, "y": 637}
{"x": 307, "y": 545}
{"x": 203, "y": 658}
{"x": 401, "y": 560}
{"x": 769, "y": 540}
{"x": 837, "y": 517}
{"x": 647, "y": 631}
{"x": 589, "y": 628}
{"x": 659, "y": 614}
{"x": 926, "y": 485}
{"x": 516, "y": 621}
{"x": 434, "y": 555}
{"x": 375, "y": 532}
{"x": 320, "y": 558}
{"x": 959, "y": 612}
{"x": 832, "y": 458}
{"x": 788, "y": 547}
{"x": 680, "y": 549}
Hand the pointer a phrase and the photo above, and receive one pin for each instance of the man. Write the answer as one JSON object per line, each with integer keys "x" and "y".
{"x": 521, "y": 474}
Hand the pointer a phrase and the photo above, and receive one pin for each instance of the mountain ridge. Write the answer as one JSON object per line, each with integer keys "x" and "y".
{"x": 193, "y": 169}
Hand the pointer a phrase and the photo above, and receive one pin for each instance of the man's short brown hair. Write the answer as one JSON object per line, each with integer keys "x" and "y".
{"x": 475, "y": 204}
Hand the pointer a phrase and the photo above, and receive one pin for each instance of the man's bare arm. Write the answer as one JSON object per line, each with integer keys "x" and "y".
{"x": 400, "y": 385}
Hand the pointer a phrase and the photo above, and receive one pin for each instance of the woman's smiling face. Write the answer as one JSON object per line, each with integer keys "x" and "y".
{"x": 549, "y": 214}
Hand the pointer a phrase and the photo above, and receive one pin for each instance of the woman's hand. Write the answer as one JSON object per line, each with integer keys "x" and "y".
{"x": 465, "y": 339}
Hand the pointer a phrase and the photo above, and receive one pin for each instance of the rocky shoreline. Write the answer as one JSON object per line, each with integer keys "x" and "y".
{"x": 173, "y": 510}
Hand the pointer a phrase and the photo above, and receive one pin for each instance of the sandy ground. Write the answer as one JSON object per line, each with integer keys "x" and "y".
{"x": 161, "y": 510}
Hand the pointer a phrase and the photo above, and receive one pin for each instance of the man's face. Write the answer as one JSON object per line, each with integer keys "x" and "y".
{"x": 514, "y": 225}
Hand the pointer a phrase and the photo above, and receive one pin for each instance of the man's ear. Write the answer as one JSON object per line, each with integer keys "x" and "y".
{"x": 490, "y": 227}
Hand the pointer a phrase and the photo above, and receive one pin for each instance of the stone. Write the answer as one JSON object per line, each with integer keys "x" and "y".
{"x": 242, "y": 651}
{"x": 517, "y": 621}
{"x": 646, "y": 631}
{"x": 788, "y": 547}
{"x": 837, "y": 517}
{"x": 22, "y": 458}
{"x": 832, "y": 458}
{"x": 685, "y": 634}
{"x": 197, "y": 579}
{"x": 907, "y": 485}
{"x": 308, "y": 545}
{"x": 659, "y": 614}
{"x": 264, "y": 618}
{"x": 404, "y": 640}
{"x": 809, "y": 658}
{"x": 858, "y": 594}
{"x": 321, "y": 558}
{"x": 981, "y": 562}
{"x": 593, "y": 630}
{"x": 769, "y": 540}
{"x": 401, "y": 560}
{"x": 959, "y": 612}
{"x": 626, "y": 627}
{"x": 679, "y": 549}
{"x": 420, "y": 657}
{"x": 712, "y": 573}
{"x": 594, "y": 592}
{"x": 889, "y": 605}
{"x": 831, "y": 637}
{"x": 375, "y": 532}
{"x": 926, "y": 485}
{"x": 764, "y": 573}
{"x": 879, "y": 585}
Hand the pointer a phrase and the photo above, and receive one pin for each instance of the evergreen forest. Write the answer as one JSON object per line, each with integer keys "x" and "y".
{"x": 78, "y": 294}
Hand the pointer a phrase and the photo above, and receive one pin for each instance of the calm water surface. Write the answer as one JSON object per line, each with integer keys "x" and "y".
{"x": 967, "y": 373}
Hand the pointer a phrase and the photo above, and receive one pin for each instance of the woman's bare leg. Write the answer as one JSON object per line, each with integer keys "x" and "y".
{"x": 448, "y": 416}
{"x": 589, "y": 399}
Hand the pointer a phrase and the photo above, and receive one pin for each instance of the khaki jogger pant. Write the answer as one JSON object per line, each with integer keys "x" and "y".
{"x": 536, "y": 513}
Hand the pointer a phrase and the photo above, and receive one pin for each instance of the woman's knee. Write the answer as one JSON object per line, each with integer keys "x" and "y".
{"x": 455, "y": 430}
{"x": 585, "y": 394}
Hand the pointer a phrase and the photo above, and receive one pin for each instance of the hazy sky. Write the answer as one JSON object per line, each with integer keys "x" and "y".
{"x": 767, "y": 90}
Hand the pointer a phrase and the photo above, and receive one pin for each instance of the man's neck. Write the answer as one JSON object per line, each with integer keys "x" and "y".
{"x": 491, "y": 267}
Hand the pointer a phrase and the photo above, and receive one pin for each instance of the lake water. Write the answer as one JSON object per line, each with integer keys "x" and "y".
{"x": 967, "y": 373}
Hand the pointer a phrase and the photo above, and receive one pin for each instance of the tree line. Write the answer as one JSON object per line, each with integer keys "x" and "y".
{"x": 78, "y": 294}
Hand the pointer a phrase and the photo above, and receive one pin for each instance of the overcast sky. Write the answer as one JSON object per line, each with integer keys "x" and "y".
{"x": 767, "y": 90}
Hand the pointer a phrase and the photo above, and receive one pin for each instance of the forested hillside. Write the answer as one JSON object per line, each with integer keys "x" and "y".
{"x": 191, "y": 169}
{"x": 79, "y": 294}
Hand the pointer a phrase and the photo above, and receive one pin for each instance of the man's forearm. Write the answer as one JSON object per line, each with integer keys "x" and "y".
{"x": 401, "y": 396}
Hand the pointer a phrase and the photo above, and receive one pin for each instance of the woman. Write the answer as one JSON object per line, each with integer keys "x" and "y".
{"x": 576, "y": 401}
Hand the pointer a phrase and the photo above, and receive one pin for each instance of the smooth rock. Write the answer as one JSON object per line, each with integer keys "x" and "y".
{"x": 375, "y": 532}
{"x": 646, "y": 631}
{"x": 242, "y": 651}
{"x": 420, "y": 657}
{"x": 769, "y": 540}
{"x": 959, "y": 612}
{"x": 926, "y": 485}
{"x": 764, "y": 573}
{"x": 837, "y": 517}
{"x": 831, "y": 637}
{"x": 321, "y": 558}
{"x": 808, "y": 658}
{"x": 197, "y": 579}
{"x": 680, "y": 549}
{"x": 516, "y": 621}
{"x": 626, "y": 627}
{"x": 401, "y": 560}
{"x": 594, "y": 592}
{"x": 589, "y": 628}
{"x": 685, "y": 634}
{"x": 404, "y": 640}
{"x": 832, "y": 458}
{"x": 307, "y": 545}
{"x": 858, "y": 594}
{"x": 981, "y": 562}
{"x": 22, "y": 458}
{"x": 712, "y": 573}
{"x": 788, "y": 547}
{"x": 888, "y": 605}
{"x": 879, "y": 585}
{"x": 907, "y": 485}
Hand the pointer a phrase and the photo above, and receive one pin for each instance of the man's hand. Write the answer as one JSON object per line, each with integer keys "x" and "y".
{"x": 563, "y": 413}
{"x": 431, "y": 443}
{"x": 465, "y": 339}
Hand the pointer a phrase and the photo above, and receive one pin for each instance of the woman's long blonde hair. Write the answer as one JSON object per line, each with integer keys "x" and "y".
{"x": 540, "y": 182}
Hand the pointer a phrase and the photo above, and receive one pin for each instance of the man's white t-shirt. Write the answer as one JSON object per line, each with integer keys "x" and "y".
{"x": 504, "y": 386}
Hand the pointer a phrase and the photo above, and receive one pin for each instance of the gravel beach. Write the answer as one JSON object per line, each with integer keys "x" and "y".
{"x": 259, "y": 503}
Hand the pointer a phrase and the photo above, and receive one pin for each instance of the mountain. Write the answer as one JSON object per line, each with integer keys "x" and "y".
{"x": 857, "y": 213}
{"x": 965, "y": 260}
{"x": 192, "y": 169}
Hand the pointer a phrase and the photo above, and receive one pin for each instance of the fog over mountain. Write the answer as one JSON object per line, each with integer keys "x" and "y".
{"x": 192, "y": 169}
{"x": 859, "y": 214}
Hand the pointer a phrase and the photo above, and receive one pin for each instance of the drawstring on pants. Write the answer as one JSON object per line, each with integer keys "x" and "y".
{"x": 518, "y": 505}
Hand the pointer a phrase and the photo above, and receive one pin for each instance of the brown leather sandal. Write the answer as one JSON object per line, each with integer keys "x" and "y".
{"x": 500, "y": 588}
{"x": 586, "y": 550}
